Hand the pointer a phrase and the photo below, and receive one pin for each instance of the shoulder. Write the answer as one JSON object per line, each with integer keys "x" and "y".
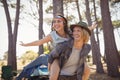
{"x": 52, "y": 33}
{"x": 87, "y": 46}
{"x": 48, "y": 38}
{"x": 68, "y": 43}
{"x": 85, "y": 50}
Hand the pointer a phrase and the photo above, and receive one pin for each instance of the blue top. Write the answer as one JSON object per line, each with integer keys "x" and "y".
{"x": 57, "y": 39}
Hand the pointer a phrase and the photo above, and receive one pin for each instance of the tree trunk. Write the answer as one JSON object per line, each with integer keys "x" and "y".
{"x": 95, "y": 49}
{"x": 97, "y": 36}
{"x": 57, "y": 7}
{"x": 100, "y": 66}
{"x": 12, "y": 37}
{"x": 109, "y": 40}
{"x": 15, "y": 35}
{"x": 78, "y": 9}
{"x": 41, "y": 25}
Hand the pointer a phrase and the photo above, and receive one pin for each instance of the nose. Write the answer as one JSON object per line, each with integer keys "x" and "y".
{"x": 74, "y": 32}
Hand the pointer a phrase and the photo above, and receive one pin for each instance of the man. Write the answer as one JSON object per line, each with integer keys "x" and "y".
{"x": 71, "y": 54}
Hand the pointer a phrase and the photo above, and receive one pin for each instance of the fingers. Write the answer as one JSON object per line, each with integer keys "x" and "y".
{"x": 94, "y": 25}
{"x": 21, "y": 43}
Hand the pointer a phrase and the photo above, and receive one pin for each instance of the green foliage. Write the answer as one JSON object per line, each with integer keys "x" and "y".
{"x": 23, "y": 62}
{"x": 119, "y": 51}
{"x": 70, "y": 18}
{"x": 115, "y": 1}
{"x": 5, "y": 56}
{"x": 2, "y": 63}
{"x": 49, "y": 9}
{"x": 46, "y": 49}
{"x": 29, "y": 55}
{"x": 116, "y": 23}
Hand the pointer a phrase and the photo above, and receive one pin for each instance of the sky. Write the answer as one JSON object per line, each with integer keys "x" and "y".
{"x": 28, "y": 33}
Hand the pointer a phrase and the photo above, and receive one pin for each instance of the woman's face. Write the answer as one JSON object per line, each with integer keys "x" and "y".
{"x": 58, "y": 24}
{"x": 77, "y": 33}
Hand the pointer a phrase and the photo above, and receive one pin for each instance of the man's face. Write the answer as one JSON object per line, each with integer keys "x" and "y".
{"x": 58, "y": 24}
{"x": 77, "y": 33}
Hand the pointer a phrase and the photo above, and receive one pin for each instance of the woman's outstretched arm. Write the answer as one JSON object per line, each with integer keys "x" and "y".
{"x": 38, "y": 42}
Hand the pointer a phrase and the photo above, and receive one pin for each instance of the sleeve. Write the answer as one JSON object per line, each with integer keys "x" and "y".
{"x": 86, "y": 49}
{"x": 53, "y": 35}
{"x": 80, "y": 70}
{"x": 55, "y": 53}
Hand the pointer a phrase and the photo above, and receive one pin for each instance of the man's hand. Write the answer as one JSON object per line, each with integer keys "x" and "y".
{"x": 93, "y": 26}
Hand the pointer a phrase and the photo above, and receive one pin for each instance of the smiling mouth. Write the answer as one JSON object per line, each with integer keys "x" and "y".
{"x": 57, "y": 27}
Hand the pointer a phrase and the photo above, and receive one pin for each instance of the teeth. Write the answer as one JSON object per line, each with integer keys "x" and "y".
{"x": 57, "y": 27}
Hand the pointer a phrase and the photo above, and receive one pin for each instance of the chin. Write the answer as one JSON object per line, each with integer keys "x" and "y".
{"x": 76, "y": 39}
{"x": 58, "y": 30}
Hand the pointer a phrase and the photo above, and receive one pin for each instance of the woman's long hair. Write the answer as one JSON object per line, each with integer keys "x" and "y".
{"x": 65, "y": 23}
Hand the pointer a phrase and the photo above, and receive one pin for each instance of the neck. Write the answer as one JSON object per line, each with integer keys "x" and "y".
{"x": 78, "y": 44}
{"x": 62, "y": 34}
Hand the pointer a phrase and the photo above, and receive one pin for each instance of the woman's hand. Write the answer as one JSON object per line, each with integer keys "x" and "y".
{"x": 22, "y": 44}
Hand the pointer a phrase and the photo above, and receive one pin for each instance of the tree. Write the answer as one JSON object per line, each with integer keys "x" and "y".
{"x": 112, "y": 55}
{"x": 36, "y": 13}
{"x": 77, "y": 4}
{"x": 57, "y": 7}
{"x": 95, "y": 15}
{"x": 95, "y": 49}
{"x": 12, "y": 36}
{"x": 40, "y": 11}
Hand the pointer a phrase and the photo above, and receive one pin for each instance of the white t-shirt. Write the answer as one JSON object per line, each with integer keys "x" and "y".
{"x": 71, "y": 65}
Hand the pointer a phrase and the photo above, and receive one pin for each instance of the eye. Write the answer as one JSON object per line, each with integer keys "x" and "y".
{"x": 54, "y": 21}
{"x": 57, "y": 21}
{"x": 77, "y": 29}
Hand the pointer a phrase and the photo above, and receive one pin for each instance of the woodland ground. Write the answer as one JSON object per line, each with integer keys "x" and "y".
{"x": 93, "y": 76}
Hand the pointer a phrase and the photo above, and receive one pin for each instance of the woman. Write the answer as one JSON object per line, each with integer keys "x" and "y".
{"x": 59, "y": 34}
{"x": 71, "y": 54}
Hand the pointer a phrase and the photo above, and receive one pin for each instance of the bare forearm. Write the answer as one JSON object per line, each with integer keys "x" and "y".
{"x": 37, "y": 43}
{"x": 34, "y": 43}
